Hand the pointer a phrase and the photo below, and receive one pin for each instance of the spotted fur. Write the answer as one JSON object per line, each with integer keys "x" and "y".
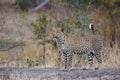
{"x": 70, "y": 45}
{"x": 97, "y": 43}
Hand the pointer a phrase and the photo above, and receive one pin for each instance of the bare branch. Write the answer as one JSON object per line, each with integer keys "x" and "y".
{"x": 40, "y": 5}
{"x": 7, "y": 45}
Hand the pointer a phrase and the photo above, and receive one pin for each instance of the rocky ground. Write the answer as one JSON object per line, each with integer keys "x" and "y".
{"x": 56, "y": 74}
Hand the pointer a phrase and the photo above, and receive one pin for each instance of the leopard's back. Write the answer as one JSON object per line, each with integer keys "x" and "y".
{"x": 77, "y": 45}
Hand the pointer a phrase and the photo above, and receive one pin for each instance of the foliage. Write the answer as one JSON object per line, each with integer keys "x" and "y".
{"x": 84, "y": 7}
{"x": 67, "y": 26}
{"x": 30, "y": 62}
{"x": 36, "y": 62}
{"x": 40, "y": 26}
{"x": 3, "y": 44}
{"x": 81, "y": 22}
{"x": 82, "y": 4}
{"x": 23, "y": 4}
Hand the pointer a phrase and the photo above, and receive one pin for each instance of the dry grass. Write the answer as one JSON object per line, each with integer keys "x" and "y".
{"x": 111, "y": 57}
{"x": 20, "y": 23}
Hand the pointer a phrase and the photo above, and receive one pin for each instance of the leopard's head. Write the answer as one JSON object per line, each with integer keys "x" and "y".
{"x": 57, "y": 32}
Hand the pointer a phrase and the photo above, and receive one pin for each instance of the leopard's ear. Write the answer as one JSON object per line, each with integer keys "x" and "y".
{"x": 65, "y": 33}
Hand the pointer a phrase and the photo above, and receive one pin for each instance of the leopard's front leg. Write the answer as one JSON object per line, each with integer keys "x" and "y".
{"x": 67, "y": 60}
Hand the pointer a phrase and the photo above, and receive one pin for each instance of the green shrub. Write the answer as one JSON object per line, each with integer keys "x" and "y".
{"x": 30, "y": 63}
{"x": 40, "y": 26}
{"x": 35, "y": 62}
{"x": 22, "y": 4}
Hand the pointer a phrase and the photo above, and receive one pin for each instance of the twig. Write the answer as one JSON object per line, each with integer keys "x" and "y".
{"x": 40, "y": 5}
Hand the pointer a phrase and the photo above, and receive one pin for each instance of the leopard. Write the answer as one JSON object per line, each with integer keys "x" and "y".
{"x": 69, "y": 45}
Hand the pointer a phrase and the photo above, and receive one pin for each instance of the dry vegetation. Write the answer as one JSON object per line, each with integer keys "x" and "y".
{"x": 16, "y": 25}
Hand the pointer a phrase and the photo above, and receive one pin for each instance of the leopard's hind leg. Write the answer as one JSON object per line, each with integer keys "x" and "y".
{"x": 99, "y": 59}
{"x": 90, "y": 56}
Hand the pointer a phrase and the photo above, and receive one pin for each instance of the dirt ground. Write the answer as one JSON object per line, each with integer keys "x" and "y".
{"x": 56, "y": 74}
